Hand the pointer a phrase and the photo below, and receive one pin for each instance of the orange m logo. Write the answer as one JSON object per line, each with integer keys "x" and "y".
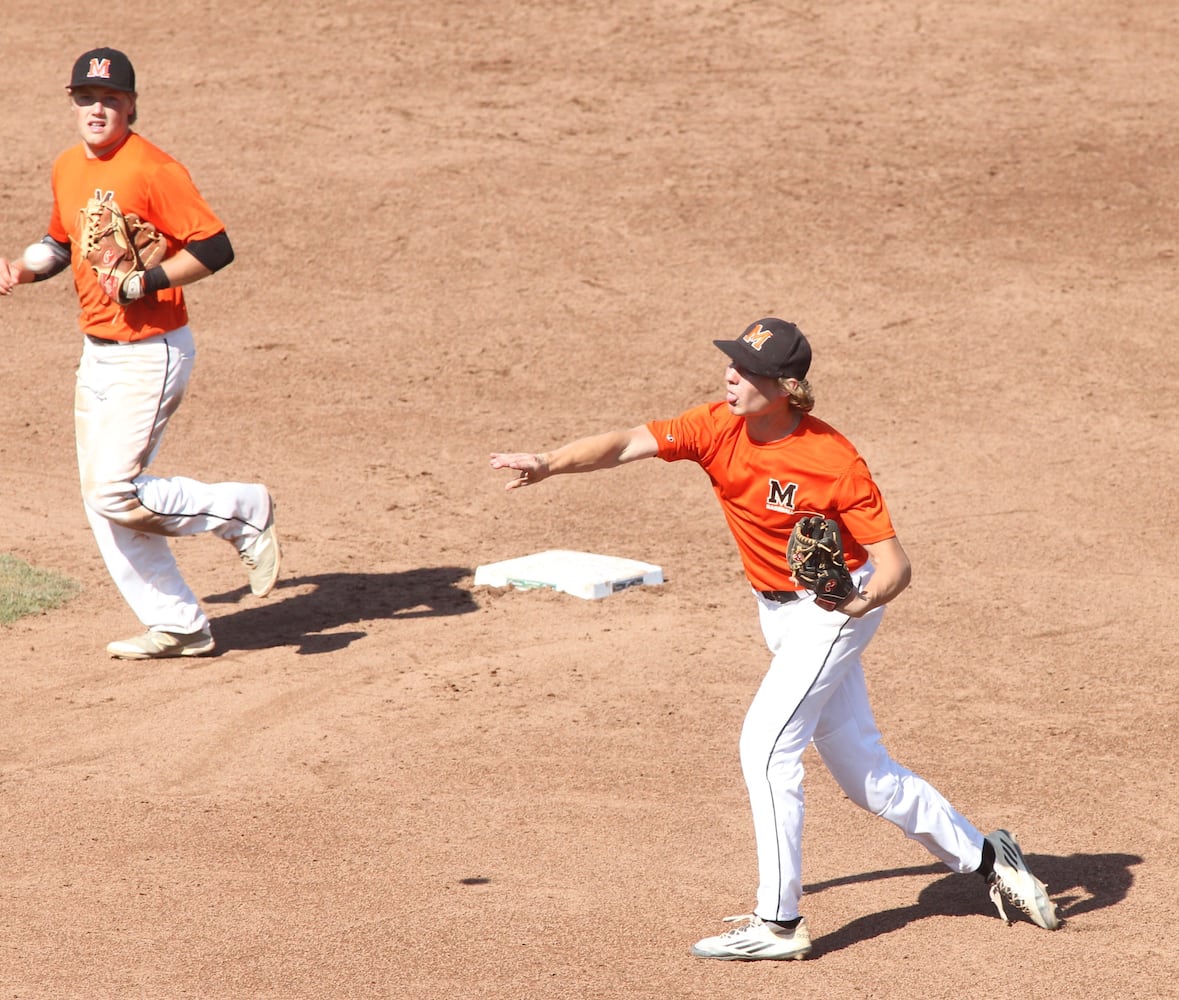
{"x": 100, "y": 68}
{"x": 757, "y": 337}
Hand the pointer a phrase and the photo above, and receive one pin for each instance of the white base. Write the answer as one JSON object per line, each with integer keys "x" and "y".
{"x": 582, "y": 574}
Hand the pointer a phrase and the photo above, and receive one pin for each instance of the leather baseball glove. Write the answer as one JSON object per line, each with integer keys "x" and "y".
{"x": 119, "y": 247}
{"x": 814, "y": 554}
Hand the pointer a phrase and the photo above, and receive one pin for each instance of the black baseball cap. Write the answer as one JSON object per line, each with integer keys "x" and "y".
{"x": 103, "y": 68}
{"x": 770, "y": 347}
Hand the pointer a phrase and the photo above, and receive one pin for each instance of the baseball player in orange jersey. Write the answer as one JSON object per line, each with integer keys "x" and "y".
{"x": 137, "y": 358}
{"x": 770, "y": 463}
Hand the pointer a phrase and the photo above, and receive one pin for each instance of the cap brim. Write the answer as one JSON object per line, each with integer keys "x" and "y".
{"x": 104, "y": 84}
{"x": 744, "y": 358}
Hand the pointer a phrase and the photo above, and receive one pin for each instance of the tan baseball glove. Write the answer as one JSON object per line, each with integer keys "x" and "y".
{"x": 119, "y": 247}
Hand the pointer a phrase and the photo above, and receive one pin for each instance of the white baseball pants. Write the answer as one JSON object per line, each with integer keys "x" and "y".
{"x": 815, "y": 690}
{"x": 124, "y": 397}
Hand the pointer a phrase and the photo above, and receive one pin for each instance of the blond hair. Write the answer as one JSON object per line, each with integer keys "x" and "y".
{"x": 802, "y": 396}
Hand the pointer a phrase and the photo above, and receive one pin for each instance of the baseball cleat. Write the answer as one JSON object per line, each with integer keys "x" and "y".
{"x": 756, "y": 941}
{"x": 262, "y": 557}
{"x": 159, "y": 645}
{"x": 1011, "y": 879}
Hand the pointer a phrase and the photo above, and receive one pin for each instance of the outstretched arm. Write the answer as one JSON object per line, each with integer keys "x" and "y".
{"x": 588, "y": 454}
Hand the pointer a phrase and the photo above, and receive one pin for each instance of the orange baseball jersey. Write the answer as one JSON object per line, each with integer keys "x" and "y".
{"x": 765, "y": 488}
{"x": 145, "y": 181}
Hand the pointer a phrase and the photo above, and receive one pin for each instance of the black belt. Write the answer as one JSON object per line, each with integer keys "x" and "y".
{"x": 102, "y": 341}
{"x": 780, "y": 596}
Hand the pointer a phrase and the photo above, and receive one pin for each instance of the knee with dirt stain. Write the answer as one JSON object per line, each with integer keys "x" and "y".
{"x": 120, "y": 503}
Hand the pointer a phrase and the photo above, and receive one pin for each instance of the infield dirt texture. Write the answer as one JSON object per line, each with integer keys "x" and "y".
{"x": 470, "y": 227}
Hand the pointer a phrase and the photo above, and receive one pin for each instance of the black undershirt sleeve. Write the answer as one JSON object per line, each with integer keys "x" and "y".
{"x": 215, "y": 252}
{"x": 62, "y": 261}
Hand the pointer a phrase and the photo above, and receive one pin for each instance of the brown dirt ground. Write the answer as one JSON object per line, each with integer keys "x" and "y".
{"x": 472, "y": 227}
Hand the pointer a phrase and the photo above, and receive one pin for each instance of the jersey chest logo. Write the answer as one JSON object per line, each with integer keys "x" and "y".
{"x": 781, "y": 497}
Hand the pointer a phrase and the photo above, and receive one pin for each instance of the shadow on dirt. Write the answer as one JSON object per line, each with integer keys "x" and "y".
{"x": 306, "y": 620}
{"x": 1078, "y": 884}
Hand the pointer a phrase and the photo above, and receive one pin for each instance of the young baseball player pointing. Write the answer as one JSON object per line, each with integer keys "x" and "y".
{"x": 110, "y": 191}
{"x": 771, "y": 463}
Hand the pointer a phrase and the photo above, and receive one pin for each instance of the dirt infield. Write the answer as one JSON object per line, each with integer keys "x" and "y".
{"x": 468, "y": 227}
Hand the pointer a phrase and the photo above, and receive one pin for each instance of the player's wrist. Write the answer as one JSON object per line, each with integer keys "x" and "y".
{"x": 855, "y": 605}
{"x": 155, "y": 278}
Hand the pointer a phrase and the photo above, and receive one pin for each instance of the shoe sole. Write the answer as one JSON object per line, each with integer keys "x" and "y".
{"x": 268, "y": 586}
{"x": 796, "y": 957}
{"x": 272, "y": 580}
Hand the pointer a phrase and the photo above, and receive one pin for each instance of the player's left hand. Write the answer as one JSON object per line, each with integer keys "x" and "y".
{"x": 120, "y": 248}
{"x": 814, "y": 555}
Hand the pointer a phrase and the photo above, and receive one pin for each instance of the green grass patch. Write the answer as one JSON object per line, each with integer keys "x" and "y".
{"x": 28, "y": 591}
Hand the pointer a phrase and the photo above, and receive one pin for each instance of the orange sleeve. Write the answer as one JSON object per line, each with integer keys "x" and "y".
{"x": 861, "y": 506}
{"x": 682, "y": 437}
{"x": 176, "y": 207}
{"x": 58, "y": 228}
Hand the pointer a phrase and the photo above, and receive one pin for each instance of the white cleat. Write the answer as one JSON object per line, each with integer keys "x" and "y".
{"x": 756, "y": 941}
{"x": 263, "y": 557}
{"x": 1011, "y": 879}
{"x": 159, "y": 645}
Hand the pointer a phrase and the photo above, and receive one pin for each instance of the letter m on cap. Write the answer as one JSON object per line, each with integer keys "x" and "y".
{"x": 757, "y": 337}
{"x": 100, "y": 69}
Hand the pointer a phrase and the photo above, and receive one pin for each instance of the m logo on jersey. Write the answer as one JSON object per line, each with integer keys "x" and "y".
{"x": 781, "y": 497}
{"x": 757, "y": 337}
{"x": 100, "y": 69}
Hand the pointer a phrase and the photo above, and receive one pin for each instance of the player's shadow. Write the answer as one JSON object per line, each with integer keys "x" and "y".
{"x": 310, "y": 618}
{"x": 1078, "y": 884}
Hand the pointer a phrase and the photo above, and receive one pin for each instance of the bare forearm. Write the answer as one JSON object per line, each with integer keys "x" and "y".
{"x": 182, "y": 268}
{"x": 891, "y": 576}
{"x": 587, "y": 454}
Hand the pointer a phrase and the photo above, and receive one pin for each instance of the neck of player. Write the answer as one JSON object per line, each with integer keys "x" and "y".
{"x": 772, "y": 425}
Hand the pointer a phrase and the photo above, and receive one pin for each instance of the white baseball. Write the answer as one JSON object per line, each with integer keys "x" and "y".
{"x": 39, "y": 257}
